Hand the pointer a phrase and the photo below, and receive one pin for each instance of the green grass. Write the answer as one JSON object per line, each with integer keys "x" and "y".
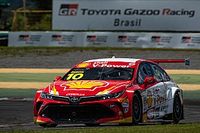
{"x": 186, "y": 78}
{"x": 28, "y": 77}
{"x": 179, "y": 128}
{"x": 192, "y": 95}
{"x": 48, "y": 77}
{"x": 17, "y": 93}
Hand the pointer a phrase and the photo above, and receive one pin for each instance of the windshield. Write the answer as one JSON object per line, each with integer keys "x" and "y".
{"x": 102, "y": 73}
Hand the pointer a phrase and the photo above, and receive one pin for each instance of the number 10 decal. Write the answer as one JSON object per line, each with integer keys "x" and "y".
{"x": 74, "y": 76}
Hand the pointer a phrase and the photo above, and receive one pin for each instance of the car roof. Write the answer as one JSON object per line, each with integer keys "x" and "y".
{"x": 114, "y": 60}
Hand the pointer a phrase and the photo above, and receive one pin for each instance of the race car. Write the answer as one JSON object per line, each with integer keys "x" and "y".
{"x": 111, "y": 90}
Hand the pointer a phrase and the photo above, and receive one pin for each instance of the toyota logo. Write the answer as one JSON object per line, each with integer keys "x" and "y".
{"x": 74, "y": 99}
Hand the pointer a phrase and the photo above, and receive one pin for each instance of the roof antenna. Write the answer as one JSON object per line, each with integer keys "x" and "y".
{"x": 113, "y": 57}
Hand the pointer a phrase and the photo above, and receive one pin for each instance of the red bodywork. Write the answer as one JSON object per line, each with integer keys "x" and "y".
{"x": 89, "y": 101}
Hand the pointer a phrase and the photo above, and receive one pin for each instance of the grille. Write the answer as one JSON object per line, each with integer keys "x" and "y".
{"x": 81, "y": 99}
{"x": 76, "y": 113}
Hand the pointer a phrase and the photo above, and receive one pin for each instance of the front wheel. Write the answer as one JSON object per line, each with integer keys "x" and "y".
{"x": 137, "y": 109}
{"x": 177, "y": 109}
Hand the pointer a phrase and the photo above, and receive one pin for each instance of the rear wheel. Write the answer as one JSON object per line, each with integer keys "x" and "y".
{"x": 137, "y": 109}
{"x": 177, "y": 109}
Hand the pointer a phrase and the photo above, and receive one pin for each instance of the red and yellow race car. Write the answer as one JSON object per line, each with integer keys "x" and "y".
{"x": 111, "y": 90}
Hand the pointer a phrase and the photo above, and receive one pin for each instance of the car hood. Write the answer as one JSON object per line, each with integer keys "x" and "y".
{"x": 85, "y": 87}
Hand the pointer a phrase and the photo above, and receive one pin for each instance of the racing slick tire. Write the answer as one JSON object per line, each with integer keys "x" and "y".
{"x": 137, "y": 109}
{"x": 177, "y": 109}
{"x": 45, "y": 125}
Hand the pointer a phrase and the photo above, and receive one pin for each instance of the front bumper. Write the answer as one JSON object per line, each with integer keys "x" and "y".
{"x": 102, "y": 111}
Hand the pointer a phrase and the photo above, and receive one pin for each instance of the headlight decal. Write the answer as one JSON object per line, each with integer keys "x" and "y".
{"x": 112, "y": 95}
{"x": 54, "y": 91}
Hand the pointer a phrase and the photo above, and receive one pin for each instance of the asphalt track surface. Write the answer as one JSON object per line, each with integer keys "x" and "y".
{"x": 58, "y": 59}
{"x": 18, "y": 115}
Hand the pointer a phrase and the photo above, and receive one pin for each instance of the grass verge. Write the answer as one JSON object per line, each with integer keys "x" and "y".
{"x": 28, "y": 77}
{"x": 17, "y": 93}
{"x": 186, "y": 78}
{"x": 192, "y": 95}
{"x": 179, "y": 128}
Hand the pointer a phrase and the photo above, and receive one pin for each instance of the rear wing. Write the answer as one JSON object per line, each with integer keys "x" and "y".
{"x": 186, "y": 61}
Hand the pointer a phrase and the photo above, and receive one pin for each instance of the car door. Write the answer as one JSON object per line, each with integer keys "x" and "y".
{"x": 160, "y": 91}
{"x": 152, "y": 94}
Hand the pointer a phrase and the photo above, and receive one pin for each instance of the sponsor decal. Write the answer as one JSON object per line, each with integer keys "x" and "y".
{"x": 56, "y": 38}
{"x": 196, "y": 39}
{"x": 103, "y": 12}
{"x": 97, "y": 39}
{"x": 155, "y": 39}
{"x": 29, "y": 39}
{"x": 75, "y": 94}
{"x": 161, "y": 40}
{"x": 74, "y": 99}
{"x": 83, "y": 65}
{"x": 186, "y": 39}
{"x": 62, "y": 39}
{"x": 180, "y": 12}
{"x": 149, "y": 99}
{"x": 127, "y": 23}
{"x": 107, "y": 64}
{"x": 24, "y": 37}
{"x": 137, "y": 12}
{"x": 91, "y": 38}
{"x": 125, "y": 105}
{"x": 127, "y": 39}
{"x": 84, "y": 84}
{"x": 191, "y": 40}
{"x": 75, "y": 75}
{"x": 68, "y": 9}
{"x": 122, "y": 38}
{"x": 152, "y": 114}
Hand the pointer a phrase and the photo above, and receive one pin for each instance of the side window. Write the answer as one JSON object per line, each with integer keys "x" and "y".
{"x": 144, "y": 70}
{"x": 159, "y": 73}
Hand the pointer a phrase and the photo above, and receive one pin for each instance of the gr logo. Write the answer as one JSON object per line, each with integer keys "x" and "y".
{"x": 68, "y": 9}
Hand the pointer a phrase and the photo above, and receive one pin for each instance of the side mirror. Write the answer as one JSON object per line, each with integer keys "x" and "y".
{"x": 149, "y": 80}
{"x": 57, "y": 78}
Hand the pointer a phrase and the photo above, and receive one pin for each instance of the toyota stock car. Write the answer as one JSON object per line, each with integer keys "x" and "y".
{"x": 111, "y": 90}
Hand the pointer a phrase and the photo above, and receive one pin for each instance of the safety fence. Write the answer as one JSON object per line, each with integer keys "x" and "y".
{"x": 106, "y": 39}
